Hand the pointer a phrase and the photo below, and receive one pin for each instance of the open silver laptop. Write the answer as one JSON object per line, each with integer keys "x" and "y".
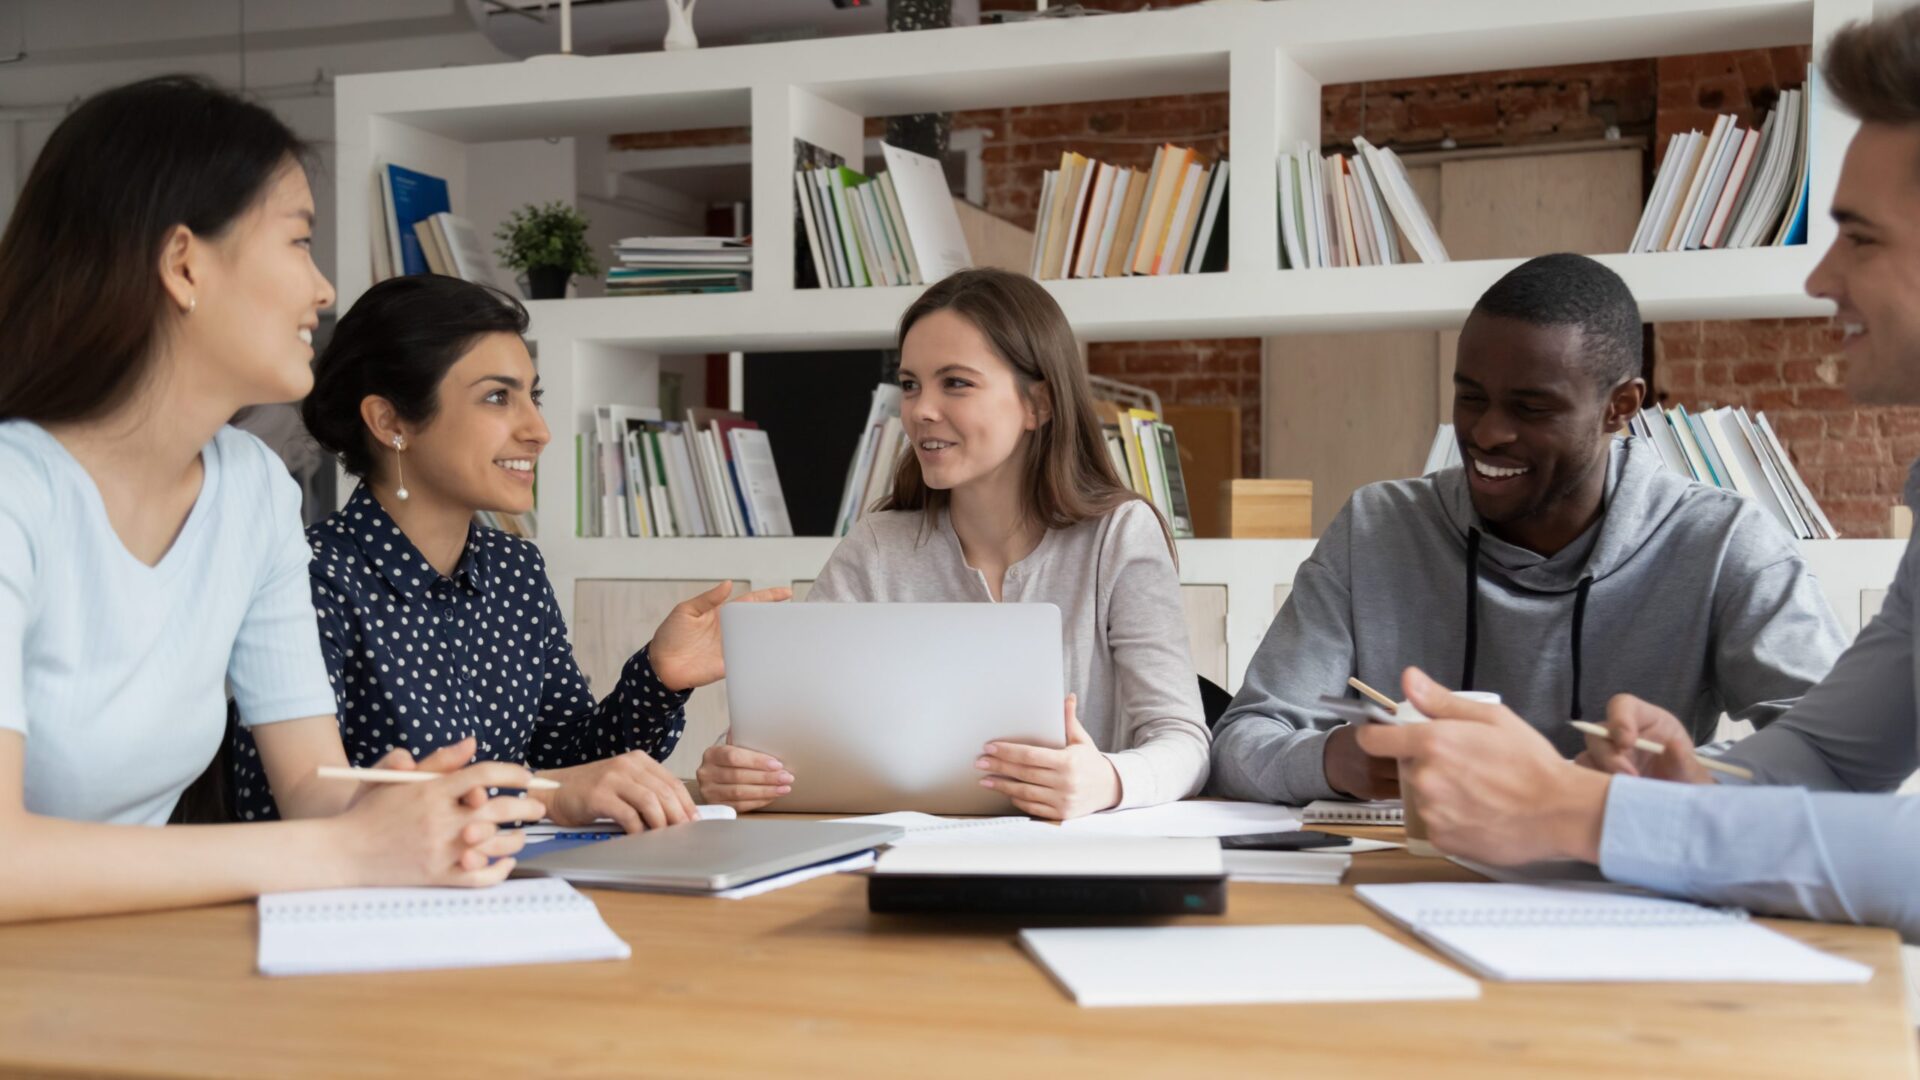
{"x": 704, "y": 856}
{"x": 878, "y": 707}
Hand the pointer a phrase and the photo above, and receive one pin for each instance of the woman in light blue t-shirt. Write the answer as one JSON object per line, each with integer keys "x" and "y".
{"x": 156, "y": 277}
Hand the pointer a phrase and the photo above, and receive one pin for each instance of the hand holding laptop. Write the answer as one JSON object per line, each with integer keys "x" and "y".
{"x": 1071, "y": 782}
{"x": 741, "y": 778}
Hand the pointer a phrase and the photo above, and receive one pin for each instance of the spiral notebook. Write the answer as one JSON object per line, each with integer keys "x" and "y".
{"x": 337, "y": 931}
{"x": 1337, "y": 812}
{"x": 1584, "y": 933}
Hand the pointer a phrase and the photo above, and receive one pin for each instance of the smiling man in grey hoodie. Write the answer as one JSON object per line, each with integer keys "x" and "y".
{"x": 1558, "y": 567}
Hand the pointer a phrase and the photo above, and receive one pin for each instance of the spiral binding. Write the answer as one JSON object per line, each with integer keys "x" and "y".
{"x": 454, "y": 905}
{"x": 1574, "y": 915}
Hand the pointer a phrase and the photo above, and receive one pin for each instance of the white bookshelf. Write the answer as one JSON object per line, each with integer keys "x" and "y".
{"x": 1272, "y": 59}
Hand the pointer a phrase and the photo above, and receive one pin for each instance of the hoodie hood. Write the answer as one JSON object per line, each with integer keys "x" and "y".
{"x": 1640, "y": 495}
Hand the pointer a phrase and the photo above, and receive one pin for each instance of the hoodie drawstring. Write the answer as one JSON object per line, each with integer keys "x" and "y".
{"x": 1473, "y": 605}
{"x": 1579, "y": 620}
{"x": 1473, "y": 617}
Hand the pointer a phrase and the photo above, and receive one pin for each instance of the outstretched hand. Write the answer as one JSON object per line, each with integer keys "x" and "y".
{"x": 686, "y": 648}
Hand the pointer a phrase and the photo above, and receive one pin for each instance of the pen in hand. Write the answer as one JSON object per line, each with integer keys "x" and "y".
{"x": 402, "y": 776}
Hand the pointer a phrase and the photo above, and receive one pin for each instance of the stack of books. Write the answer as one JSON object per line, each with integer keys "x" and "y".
{"x": 415, "y": 232}
{"x": 1146, "y": 457}
{"x": 1733, "y": 187}
{"x": 1352, "y": 210}
{"x": 1100, "y": 220}
{"x": 899, "y": 227}
{"x": 1729, "y": 449}
{"x": 655, "y": 265}
{"x": 711, "y": 474}
{"x": 1725, "y": 448}
{"x": 882, "y": 446}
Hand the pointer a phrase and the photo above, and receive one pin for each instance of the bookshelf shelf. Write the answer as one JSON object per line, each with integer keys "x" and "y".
{"x": 1271, "y": 59}
{"x": 1746, "y": 283}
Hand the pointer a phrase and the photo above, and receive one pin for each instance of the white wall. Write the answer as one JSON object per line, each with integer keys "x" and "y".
{"x": 293, "y": 50}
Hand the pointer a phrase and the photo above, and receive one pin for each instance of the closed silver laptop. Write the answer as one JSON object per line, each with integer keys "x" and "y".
{"x": 704, "y": 856}
{"x": 879, "y": 707}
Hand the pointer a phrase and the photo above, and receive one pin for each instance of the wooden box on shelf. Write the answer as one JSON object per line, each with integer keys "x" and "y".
{"x": 1266, "y": 509}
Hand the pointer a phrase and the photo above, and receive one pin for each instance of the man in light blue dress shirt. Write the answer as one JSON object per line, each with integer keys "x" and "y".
{"x": 1817, "y": 835}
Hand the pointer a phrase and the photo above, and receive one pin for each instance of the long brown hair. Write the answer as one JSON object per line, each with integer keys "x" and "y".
{"x": 1069, "y": 476}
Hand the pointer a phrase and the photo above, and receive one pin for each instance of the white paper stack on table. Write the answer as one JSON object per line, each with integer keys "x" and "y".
{"x": 1239, "y": 965}
{"x": 1586, "y": 933}
{"x": 1286, "y": 867}
{"x": 1338, "y": 812}
{"x": 335, "y": 931}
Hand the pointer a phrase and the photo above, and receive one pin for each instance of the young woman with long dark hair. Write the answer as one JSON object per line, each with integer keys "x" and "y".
{"x": 155, "y": 278}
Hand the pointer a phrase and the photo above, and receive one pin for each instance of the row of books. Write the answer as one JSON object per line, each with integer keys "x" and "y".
{"x": 1729, "y": 449}
{"x": 1100, "y": 220}
{"x": 898, "y": 227}
{"x": 414, "y": 231}
{"x": 882, "y": 446}
{"x": 655, "y": 265}
{"x": 1352, "y": 210}
{"x": 1147, "y": 457}
{"x": 1733, "y": 187}
{"x": 709, "y": 475}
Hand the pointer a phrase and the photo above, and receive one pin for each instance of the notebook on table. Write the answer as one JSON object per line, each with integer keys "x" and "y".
{"x": 1338, "y": 812}
{"x": 336, "y": 931}
{"x": 1587, "y": 933}
{"x": 1239, "y": 965}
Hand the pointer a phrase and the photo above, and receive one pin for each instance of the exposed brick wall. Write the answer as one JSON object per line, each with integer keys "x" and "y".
{"x": 1853, "y": 458}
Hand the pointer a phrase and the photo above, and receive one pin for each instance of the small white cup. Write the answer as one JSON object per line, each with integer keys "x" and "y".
{"x": 1417, "y": 842}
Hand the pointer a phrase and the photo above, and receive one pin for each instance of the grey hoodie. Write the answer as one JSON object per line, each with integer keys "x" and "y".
{"x": 1688, "y": 596}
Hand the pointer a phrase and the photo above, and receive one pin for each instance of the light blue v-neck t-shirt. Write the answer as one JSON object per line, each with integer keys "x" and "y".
{"x": 117, "y": 672}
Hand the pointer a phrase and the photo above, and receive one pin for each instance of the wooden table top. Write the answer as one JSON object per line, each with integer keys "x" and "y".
{"x": 805, "y": 981}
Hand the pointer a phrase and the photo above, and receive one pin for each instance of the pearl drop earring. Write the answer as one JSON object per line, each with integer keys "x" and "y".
{"x": 400, "y": 476}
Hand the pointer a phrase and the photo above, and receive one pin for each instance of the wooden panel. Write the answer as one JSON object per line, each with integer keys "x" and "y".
{"x": 612, "y": 620}
{"x": 1206, "y": 607}
{"x": 994, "y": 241}
{"x": 1209, "y": 441}
{"x": 1267, "y": 509}
{"x": 1538, "y": 203}
{"x": 806, "y": 981}
{"x": 1348, "y": 409}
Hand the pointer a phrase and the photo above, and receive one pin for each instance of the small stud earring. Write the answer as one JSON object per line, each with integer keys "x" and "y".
{"x": 192, "y": 302}
{"x": 400, "y": 477}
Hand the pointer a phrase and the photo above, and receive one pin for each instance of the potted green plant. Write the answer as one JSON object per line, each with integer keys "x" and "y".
{"x": 549, "y": 244}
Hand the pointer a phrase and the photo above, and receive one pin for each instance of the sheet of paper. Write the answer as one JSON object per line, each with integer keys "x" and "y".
{"x": 794, "y": 877}
{"x": 333, "y": 931}
{"x": 1193, "y": 817}
{"x": 1239, "y": 965}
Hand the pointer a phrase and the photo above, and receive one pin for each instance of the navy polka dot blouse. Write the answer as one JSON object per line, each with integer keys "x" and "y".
{"x": 421, "y": 660}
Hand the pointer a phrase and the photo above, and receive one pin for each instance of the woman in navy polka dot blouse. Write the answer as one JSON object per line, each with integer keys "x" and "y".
{"x": 437, "y": 631}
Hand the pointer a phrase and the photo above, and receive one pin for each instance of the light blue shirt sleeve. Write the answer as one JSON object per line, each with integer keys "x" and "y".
{"x": 275, "y": 670}
{"x": 1859, "y": 728}
{"x": 16, "y": 591}
{"x": 1773, "y": 850}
